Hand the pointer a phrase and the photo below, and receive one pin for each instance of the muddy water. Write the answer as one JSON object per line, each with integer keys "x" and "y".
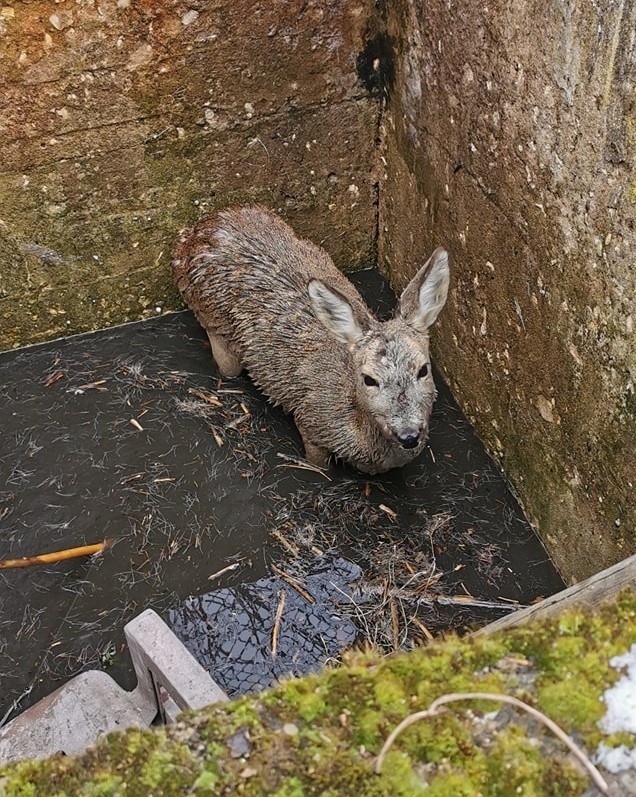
{"x": 127, "y": 434}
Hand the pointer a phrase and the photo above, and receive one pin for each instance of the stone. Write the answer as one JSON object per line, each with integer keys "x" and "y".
{"x": 74, "y": 717}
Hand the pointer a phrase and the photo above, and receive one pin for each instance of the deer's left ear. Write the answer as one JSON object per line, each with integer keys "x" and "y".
{"x": 334, "y": 312}
{"x": 425, "y": 295}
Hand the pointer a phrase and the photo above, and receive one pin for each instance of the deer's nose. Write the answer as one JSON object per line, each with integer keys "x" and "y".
{"x": 408, "y": 438}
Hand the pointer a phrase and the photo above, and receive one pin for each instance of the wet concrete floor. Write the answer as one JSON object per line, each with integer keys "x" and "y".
{"x": 128, "y": 434}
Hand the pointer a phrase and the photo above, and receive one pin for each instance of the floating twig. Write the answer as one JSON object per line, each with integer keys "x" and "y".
{"x": 236, "y": 422}
{"x": 79, "y": 389}
{"x": 434, "y": 709}
{"x": 56, "y": 556}
{"x": 417, "y": 622}
{"x": 403, "y": 593}
{"x": 51, "y": 380}
{"x": 279, "y": 615}
{"x": 217, "y": 437}
{"x": 468, "y": 600}
{"x": 209, "y": 398}
{"x": 292, "y": 462}
{"x": 294, "y": 584}
{"x": 223, "y": 570}
{"x": 293, "y": 549}
{"x": 14, "y": 705}
{"x": 395, "y": 624}
{"x": 388, "y": 511}
{"x": 133, "y": 478}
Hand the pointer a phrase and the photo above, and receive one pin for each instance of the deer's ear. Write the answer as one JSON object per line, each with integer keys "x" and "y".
{"x": 334, "y": 312}
{"x": 425, "y": 295}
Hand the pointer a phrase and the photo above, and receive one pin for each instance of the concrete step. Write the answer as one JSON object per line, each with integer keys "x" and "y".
{"x": 90, "y": 705}
{"x": 74, "y": 717}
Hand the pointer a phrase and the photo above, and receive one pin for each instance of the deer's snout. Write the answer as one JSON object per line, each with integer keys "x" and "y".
{"x": 409, "y": 437}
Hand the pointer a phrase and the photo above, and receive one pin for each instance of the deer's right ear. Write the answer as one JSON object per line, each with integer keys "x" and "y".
{"x": 425, "y": 295}
{"x": 334, "y": 312}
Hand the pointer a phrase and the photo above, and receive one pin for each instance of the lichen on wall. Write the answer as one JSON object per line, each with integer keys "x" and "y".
{"x": 320, "y": 735}
{"x": 123, "y": 121}
{"x": 509, "y": 138}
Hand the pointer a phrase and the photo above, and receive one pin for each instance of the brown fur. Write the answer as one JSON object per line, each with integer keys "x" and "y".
{"x": 277, "y": 306}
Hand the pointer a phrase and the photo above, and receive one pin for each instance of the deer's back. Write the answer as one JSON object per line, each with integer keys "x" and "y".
{"x": 245, "y": 274}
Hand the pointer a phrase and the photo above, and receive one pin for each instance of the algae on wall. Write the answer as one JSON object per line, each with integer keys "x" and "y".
{"x": 320, "y": 735}
{"x": 122, "y": 122}
{"x": 509, "y": 138}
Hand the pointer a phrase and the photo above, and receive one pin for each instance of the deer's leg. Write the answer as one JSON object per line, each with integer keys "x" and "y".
{"x": 315, "y": 454}
{"x": 224, "y": 355}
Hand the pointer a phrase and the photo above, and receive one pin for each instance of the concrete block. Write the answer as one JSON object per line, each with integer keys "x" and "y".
{"x": 162, "y": 663}
{"x": 90, "y": 705}
{"x": 73, "y": 717}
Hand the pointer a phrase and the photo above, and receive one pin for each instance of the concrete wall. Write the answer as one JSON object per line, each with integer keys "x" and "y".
{"x": 123, "y": 120}
{"x": 509, "y": 138}
{"x": 506, "y": 132}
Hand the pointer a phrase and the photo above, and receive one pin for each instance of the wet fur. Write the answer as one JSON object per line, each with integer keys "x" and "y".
{"x": 246, "y": 276}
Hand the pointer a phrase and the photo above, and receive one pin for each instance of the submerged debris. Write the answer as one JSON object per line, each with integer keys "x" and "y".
{"x": 251, "y": 635}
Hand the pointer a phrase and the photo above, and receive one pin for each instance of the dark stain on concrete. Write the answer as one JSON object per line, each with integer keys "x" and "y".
{"x": 375, "y": 65}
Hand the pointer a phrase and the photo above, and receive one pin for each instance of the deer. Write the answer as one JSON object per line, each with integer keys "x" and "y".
{"x": 360, "y": 390}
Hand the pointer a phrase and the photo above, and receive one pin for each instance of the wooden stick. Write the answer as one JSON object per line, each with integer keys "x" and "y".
{"x": 293, "y": 549}
{"x": 395, "y": 624}
{"x": 392, "y": 514}
{"x": 294, "y": 583}
{"x": 209, "y": 398}
{"x": 56, "y": 556}
{"x": 277, "y": 619}
{"x": 302, "y": 465}
{"x": 416, "y": 621}
{"x": 223, "y": 570}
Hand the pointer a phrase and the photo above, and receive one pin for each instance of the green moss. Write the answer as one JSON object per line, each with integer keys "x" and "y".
{"x": 456, "y": 783}
{"x": 568, "y": 706}
{"x": 104, "y": 785}
{"x": 165, "y": 768}
{"x": 343, "y": 716}
{"x": 369, "y": 728}
{"x": 400, "y": 778}
{"x": 389, "y": 696}
{"x": 292, "y": 787}
{"x": 306, "y": 698}
{"x": 206, "y": 783}
{"x": 515, "y": 765}
{"x": 19, "y": 789}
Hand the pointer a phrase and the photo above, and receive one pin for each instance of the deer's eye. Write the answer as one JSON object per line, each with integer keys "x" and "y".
{"x": 369, "y": 381}
{"x": 422, "y": 372}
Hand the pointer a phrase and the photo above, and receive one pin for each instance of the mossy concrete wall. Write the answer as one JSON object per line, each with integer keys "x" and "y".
{"x": 122, "y": 121}
{"x": 320, "y": 735}
{"x": 509, "y": 138}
